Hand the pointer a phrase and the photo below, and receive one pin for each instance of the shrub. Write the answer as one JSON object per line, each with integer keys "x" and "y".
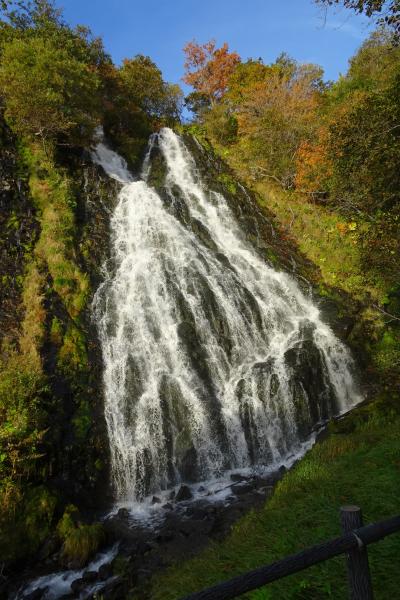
{"x": 80, "y": 541}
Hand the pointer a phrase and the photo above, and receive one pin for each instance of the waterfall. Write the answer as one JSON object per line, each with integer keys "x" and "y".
{"x": 213, "y": 360}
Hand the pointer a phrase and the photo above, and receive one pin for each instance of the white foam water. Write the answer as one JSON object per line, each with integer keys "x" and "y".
{"x": 204, "y": 344}
{"x": 57, "y": 585}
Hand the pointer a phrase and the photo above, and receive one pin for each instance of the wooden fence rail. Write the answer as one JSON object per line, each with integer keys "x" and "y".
{"x": 353, "y": 543}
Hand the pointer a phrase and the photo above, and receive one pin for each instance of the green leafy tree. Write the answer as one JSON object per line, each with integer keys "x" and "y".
{"x": 47, "y": 91}
{"x": 198, "y": 103}
{"x": 144, "y": 85}
{"x": 49, "y": 78}
{"x": 244, "y": 76}
{"x": 136, "y": 101}
{"x": 365, "y": 150}
{"x": 363, "y": 116}
{"x": 143, "y": 82}
{"x": 221, "y": 124}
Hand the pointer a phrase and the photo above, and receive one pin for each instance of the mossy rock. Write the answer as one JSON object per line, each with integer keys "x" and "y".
{"x": 228, "y": 182}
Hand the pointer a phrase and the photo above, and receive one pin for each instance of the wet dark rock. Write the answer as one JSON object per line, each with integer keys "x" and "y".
{"x": 314, "y": 400}
{"x": 203, "y": 234}
{"x": 242, "y": 488}
{"x": 143, "y": 547}
{"x": 272, "y": 478}
{"x": 50, "y": 546}
{"x": 167, "y": 506}
{"x": 198, "y": 510}
{"x": 119, "y": 529}
{"x": 238, "y": 477}
{"x": 184, "y": 493}
{"x": 156, "y": 500}
{"x": 105, "y": 571}
{"x": 195, "y": 527}
{"x": 123, "y": 513}
{"x": 110, "y": 587}
{"x": 262, "y": 366}
{"x": 188, "y": 464}
{"x": 201, "y": 489}
{"x": 199, "y": 513}
{"x": 78, "y": 585}
{"x": 266, "y": 490}
{"x": 90, "y": 576}
{"x": 166, "y": 535}
{"x": 37, "y": 594}
{"x": 224, "y": 260}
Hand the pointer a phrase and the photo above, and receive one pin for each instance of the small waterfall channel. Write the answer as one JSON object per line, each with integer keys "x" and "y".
{"x": 213, "y": 360}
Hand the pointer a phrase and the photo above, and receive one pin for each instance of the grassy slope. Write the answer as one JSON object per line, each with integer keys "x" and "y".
{"x": 361, "y": 467}
{"x": 316, "y": 232}
{"x": 359, "y": 461}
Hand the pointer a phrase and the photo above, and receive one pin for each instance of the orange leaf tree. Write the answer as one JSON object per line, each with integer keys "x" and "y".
{"x": 276, "y": 115}
{"x": 208, "y": 69}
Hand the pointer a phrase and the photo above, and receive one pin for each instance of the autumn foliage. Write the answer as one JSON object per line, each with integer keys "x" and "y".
{"x": 313, "y": 164}
{"x": 208, "y": 69}
{"x": 336, "y": 143}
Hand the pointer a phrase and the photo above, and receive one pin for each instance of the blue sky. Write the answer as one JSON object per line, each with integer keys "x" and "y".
{"x": 254, "y": 28}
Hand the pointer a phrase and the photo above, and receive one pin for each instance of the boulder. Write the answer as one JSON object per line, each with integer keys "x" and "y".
{"x": 110, "y": 587}
{"x": 238, "y": 477}
{"x": 105, "y": 571}
{"x": 184, "y": 493}
{"x": 242, "y": 488}
{"x": 78, "y": 585}
{"x": 123, "y": 513}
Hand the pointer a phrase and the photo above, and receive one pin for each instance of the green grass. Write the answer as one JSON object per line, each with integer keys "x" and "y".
{"x": 359, "y": 463}
{"x": 80, "y": 541}
{"x": 328, "y": 240}
{"x": 53, "y": 196}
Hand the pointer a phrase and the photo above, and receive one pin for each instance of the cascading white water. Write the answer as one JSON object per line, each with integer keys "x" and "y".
{"x": 213, "y": 360}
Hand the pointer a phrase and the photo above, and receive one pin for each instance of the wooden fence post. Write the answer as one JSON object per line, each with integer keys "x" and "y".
{"x": 360, "y": 586}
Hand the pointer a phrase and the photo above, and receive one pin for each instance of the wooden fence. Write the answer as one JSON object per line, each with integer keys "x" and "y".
{"x": 353, "y": 543}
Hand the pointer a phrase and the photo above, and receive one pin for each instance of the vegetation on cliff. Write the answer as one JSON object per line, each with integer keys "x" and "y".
{"x": 57, "y": 85}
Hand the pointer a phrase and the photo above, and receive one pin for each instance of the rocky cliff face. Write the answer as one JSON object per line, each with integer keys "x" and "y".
{"x": 54, "y": 222}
